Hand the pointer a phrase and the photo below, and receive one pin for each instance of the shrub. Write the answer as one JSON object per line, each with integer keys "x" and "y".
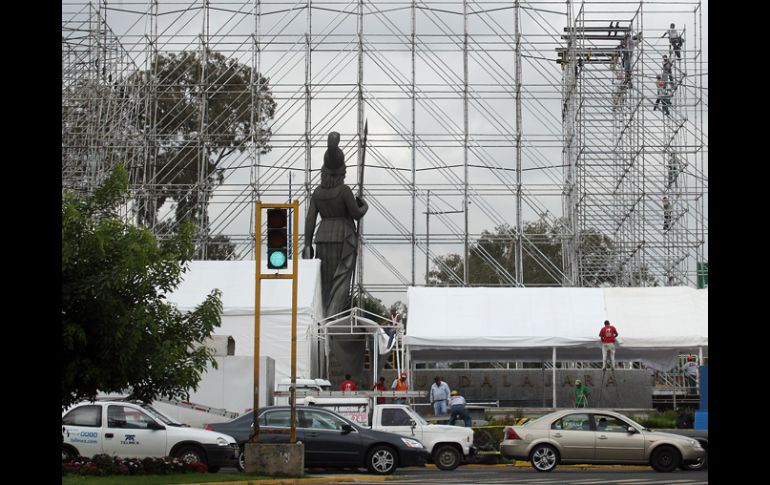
{"x": 196, "y": 467}
{"x": 104, "y": 465}
{"x": 659, "y": 420}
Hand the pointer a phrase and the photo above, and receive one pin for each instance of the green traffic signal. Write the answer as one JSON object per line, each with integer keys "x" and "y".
{"x": 277, "y": 239}
{"x": 276, "y": 259}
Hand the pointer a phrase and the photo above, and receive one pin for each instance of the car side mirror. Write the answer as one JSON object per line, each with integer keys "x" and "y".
{"x": 346, "y": 428}
{"x": 412, "y": 423}
{"x": 155, "y": 426}
{"x": 632, "y": 430}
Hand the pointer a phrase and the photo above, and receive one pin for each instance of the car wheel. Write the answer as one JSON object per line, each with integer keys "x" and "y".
{"x": 381, "y": 460}
{"x": 665, "y": 459}
{"x": 241, "y": 461}
{"x": 700, "y": 465}
{"x": 447, "y": 458}
{"x": 544, "y": 458}
{"x": 68, "y": 454}
{"x": 190, "y": 454}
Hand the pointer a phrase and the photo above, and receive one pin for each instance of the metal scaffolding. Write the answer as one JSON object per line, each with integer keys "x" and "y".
{"x": 463, "y": 100}
{"x": 635, "y": 167}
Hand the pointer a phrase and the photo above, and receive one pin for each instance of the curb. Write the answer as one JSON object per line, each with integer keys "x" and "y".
{"x": 375, "y": 478}
{"x": 526, "y": 464}
{"x": 302, "y": 481}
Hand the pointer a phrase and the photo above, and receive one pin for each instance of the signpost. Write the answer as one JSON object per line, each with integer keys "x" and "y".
{"x": 276, "y": 251}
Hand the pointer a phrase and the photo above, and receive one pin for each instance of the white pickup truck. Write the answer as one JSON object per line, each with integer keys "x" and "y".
{"x": 448, "y": 445}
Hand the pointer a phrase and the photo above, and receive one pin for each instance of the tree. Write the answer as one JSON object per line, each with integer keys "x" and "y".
{"x": 117, "y": 330}
{"x": 202, "y": 116}
{"x": 596, "y": 258}
{"x": 501, "y": 246}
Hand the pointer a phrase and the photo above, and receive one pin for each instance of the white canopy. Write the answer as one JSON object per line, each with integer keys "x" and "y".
{"x": 508, "y": 324}
{"x": 237, "y": 280}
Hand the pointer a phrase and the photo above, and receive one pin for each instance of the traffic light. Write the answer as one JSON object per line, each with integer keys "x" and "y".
{"x": 277, "y": 239}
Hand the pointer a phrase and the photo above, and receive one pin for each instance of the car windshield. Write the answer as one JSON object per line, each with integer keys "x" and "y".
{"x": 420, "y": 419}
{"x": 637, "y": 425}
{"x": 160, "y": 416}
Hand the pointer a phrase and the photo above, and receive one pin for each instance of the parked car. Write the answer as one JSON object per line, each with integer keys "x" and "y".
{"x": 596, "y": 436}
{"x": 331, "y": 441}
{"x": 702, "y": 436}
{"x": 133, "y": 429}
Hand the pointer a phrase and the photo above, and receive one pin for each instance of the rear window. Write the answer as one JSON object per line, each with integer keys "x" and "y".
{"x": 90, "y": 416}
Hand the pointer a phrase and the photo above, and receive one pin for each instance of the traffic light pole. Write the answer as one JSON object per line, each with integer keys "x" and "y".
{"x": 257, "y": 310}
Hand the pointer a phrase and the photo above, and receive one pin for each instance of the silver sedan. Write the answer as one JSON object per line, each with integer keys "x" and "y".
{"x": 599, "y": 437}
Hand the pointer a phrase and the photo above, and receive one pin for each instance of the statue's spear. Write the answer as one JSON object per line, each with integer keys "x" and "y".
{"x": 363, "y": 159}
{"x": 359, "y": 254}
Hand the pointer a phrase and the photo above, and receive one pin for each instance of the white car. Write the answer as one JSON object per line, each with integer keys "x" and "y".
{"x": 132, "y": 429}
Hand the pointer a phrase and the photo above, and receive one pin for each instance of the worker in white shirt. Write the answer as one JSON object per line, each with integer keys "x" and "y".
{"x": 675, "y": 40}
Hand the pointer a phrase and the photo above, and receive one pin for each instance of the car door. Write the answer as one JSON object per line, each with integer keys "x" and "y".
{"x": 274, "y": 427}
{"x": 82, "y": 428}
{"x": 129, "y": 433}
{"x": 396, "y": 420}
{"x": 575, "y": 436}
{"x": 327, "y": 443}
{"x": 613, "y": 441}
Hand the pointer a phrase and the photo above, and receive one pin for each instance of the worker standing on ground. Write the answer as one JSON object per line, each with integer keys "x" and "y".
{"x": 608, "y": 334}
{"x": 457, "y": 403}
{"x": 439, "y": 395}
{"x": 581, "y": 394}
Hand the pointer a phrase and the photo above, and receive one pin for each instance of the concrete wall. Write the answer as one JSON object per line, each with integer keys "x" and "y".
{"x": 534, "y": 387}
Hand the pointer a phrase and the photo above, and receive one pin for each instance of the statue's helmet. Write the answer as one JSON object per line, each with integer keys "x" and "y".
{"x": 334, "y": 159}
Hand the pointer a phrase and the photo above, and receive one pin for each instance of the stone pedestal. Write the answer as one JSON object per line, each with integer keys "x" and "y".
{"x": 275, "y": 460}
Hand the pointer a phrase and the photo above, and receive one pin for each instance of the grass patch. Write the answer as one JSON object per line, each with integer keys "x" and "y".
{"x": 159, "y": 479}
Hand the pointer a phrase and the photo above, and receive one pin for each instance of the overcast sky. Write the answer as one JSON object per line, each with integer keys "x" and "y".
{"x": 387, "y": 77}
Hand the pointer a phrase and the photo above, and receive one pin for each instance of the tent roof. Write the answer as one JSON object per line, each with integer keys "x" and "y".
{"x": 237, "y": 281}
{"x": 486, "y": 324}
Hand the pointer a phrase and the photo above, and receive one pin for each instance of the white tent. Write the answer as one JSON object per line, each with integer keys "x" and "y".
{"x": 527, "y": 324}
{"x": 237, "y": 280}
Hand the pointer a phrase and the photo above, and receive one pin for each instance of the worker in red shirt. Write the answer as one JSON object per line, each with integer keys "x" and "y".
{"x": 347, "y": 384}
{"x": 608, "y": 334}
{"x": 380, "y": 386}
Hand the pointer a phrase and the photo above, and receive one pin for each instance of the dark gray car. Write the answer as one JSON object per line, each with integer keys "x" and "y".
{"x": 331, "y": 441}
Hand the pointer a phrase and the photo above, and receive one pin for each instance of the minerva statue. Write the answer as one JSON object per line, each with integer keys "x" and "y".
{"x": 337, "y": 239}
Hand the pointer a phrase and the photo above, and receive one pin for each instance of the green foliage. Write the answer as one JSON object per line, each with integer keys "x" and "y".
{"x": 117, "y": 330}
{"x": 205, "y": 112}
{"x": 375, "y": 305}
{"x": 501, "y": 246}
{"x": 659, "y": 420}
{"x": 542, "y": 259}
